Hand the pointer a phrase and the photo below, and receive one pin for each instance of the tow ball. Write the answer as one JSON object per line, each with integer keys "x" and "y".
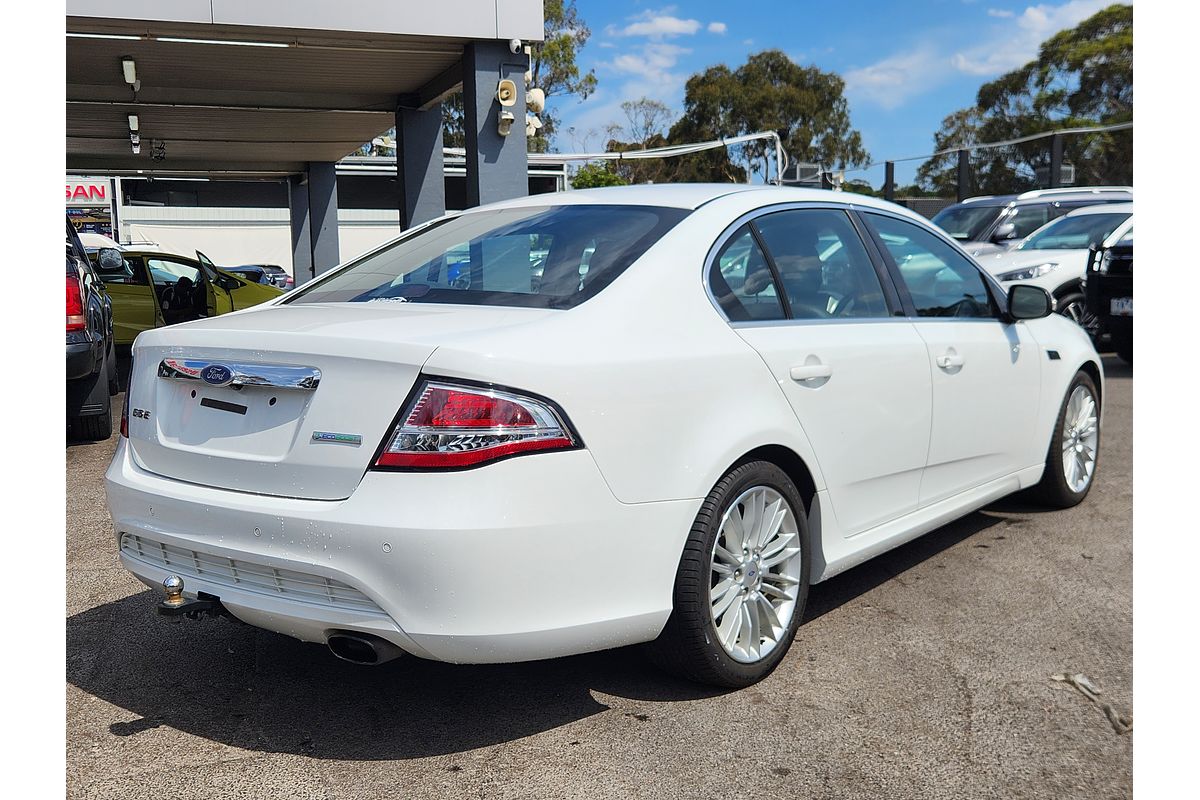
{"x": 175, "y": 606}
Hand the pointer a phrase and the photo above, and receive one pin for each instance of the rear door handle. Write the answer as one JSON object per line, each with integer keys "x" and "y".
{"x": 950, "y": 361}
{"x": 811, "y": 372}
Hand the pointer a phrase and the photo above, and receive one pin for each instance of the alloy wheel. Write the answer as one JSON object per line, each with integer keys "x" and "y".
{"x": 1081, "y": 434}
{"x": 755, "y": 574}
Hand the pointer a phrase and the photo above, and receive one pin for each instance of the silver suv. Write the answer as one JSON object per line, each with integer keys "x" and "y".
{"x": 994, "y": 223}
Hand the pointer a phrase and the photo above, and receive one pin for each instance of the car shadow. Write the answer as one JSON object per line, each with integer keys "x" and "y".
{"x": 265, "y": 692}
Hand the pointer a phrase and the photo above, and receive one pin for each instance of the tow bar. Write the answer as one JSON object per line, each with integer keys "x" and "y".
{"x": 175, "y": 606}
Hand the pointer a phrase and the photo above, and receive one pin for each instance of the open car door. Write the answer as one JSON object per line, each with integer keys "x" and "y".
{"x": 220, "y": 301}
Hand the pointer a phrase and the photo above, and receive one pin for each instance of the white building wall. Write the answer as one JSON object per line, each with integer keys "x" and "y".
{"x": 234, "y": 236}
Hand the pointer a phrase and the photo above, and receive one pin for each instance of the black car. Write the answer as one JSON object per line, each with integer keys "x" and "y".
{"x": 270, "y": 274}
{"x": 91, "y": 353}
{"x": 1108, "y": 287}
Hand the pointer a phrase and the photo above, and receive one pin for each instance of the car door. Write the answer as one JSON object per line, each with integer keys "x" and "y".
{"x": 220, "y": 299}
{"x": 800, "y": 287}
{"x": 986, "y": 372}
{"x": 135, "y": 305}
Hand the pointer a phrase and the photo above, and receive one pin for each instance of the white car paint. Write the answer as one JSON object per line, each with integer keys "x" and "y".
{"x": 1071, "y": 265}
{"x": 554, "y": 553}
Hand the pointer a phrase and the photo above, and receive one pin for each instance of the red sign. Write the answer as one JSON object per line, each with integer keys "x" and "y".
{"x": 87, "y": 193}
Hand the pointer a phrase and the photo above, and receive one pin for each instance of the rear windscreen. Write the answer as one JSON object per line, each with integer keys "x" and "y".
{"x": 554, "y": 257}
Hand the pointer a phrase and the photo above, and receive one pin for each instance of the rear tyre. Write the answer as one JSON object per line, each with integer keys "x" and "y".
{"x": 1074, "y": 451}
{"x": 742, "y": 581}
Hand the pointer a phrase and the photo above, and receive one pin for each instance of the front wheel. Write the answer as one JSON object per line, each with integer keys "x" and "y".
{"x": 1074, "y": 307}
{"x": 742, "y": 581}
{"x": 1074, "y": 448}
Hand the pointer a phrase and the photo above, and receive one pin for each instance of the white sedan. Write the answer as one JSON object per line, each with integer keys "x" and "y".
{"x": 747, "y": 391}
{"x": 1055, "y": 256}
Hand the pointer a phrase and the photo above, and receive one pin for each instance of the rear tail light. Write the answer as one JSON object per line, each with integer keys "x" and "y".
{"x": 76, "y": 320}
{"x": 451, "y": 426}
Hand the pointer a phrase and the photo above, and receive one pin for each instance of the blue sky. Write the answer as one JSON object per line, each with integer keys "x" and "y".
{"x": 906, "y": 65}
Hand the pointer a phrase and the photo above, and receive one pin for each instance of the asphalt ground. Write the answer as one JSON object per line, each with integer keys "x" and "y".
{"x": 923, "y": 673}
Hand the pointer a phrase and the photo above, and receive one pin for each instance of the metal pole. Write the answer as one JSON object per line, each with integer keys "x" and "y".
{"x": 964, "y": 175}
{"x": 1056, "y": 154}
{"x": 889, "y": 180}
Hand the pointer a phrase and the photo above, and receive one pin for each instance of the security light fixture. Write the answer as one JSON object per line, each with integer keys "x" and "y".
{"x": 129, "y": 69}
{"x": 137, "y": 148}
{"x": 504, "y": 127}
{"x": 133, "y": 122}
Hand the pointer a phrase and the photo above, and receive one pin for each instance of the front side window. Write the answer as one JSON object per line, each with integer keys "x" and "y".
{"x": 822, "y": 264}
{"x": 541, "y": 257}
{"x": 941, "y": 281}
{"x": 741, "y": 280}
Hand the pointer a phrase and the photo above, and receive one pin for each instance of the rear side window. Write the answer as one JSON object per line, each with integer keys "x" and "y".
{"x": 941, "y": 281}
{"x": 741, "y": 280}
{"x": 1028, "y": 219}
{"x": 822, "y": 264}
{"x": 554, "y": 257}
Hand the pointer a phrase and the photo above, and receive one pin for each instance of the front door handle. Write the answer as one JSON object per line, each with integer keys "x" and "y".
{"x": 811, "y": 372}
{"x": 950, "y": 360}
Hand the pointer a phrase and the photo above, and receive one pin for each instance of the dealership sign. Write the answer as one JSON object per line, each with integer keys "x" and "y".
{"x": 88, "y": 193}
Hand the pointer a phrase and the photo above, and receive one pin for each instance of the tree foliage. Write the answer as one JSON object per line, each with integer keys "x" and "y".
{"x": 769, "y": 92}
{"x": 1082, "y": 76}
{"x": 590, "y": 176}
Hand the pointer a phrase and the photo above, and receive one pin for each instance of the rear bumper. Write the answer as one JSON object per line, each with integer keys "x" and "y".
{"x": 84, "y": 359}
{"x": 524, "y": 559}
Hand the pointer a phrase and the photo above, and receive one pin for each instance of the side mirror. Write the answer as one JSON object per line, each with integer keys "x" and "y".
{"x": 1029, "y": 302}
{"x": 109, "y": 259}
{"x": 1004, "y": 232}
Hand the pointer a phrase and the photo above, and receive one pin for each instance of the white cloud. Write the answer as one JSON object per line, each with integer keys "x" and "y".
{"x": 717, "y": 27}
{"x": 1010, "y": 42}
{"x": 660, "y": 24}
{"x": 999, "y": 13}
{"x": 1016, "y": 42}
{"x": 890, "y": 82}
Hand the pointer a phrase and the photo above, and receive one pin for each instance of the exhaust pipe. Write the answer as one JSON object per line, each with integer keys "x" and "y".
{"x": 362, "y": 648}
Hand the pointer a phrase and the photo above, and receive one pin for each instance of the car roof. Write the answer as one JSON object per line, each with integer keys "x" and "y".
{"x": 1103, "y": 208}
{"x": 1038, "y": 196}
{"x": 688, "y": 196}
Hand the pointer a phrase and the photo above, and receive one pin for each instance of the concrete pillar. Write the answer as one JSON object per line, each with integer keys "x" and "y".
{"x": 302, "y": 264}
{"x": 322, "y": 209}
{"x": 889, "y": 180}
{"x": 497, "y": 166}
{"x": 419, "y": 168}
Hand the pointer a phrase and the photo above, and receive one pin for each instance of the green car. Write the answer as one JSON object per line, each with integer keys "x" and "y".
{"x": 150, "y": 289}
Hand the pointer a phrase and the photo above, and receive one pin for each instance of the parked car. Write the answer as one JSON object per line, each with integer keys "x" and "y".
{"x": 1055, "y": 256}
{"x": 667, "y": 449}
{"x": 91, "y": 354}
{"x": 94, "y": 242}
{"x": 994, "y": 223}
{"x": 151, "y": 289}
{"x": 270, "y": 274}
{"x": 1109, "y": 290}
